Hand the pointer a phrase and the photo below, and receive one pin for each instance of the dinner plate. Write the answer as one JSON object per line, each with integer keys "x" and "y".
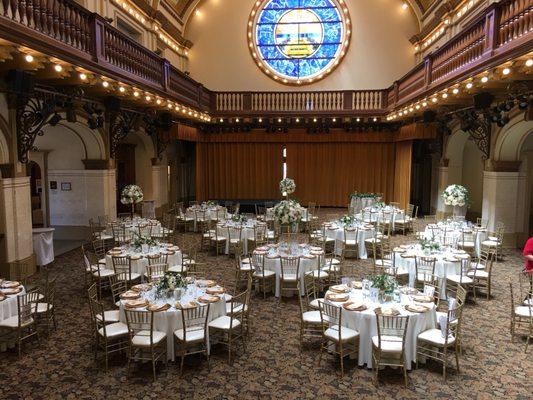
{"x": 354, "y": 306}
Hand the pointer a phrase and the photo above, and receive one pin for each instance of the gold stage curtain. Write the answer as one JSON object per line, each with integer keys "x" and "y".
{"x": 226, "y": 170}
{"x": 402, "y": 173}
{"x": 327, "y": 173}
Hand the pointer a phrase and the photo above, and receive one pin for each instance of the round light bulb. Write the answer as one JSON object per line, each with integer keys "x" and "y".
{"x": 58, "y": 68}
{"x": 485, "y": 79}
{"x": 28, "y": 58}
{"x": 136, "y": 94}
{"x": 455, "y": 91}
{"x": 529, "y": 62}
{"x": 469, "y": 85}
{"x": 105, "y": 84}
{"x": 506, "y": 71}
{"x": 122, "y": 89}
{"x": 83, "y": 76}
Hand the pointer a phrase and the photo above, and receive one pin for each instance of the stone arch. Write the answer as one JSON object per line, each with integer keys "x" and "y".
{"x": 511, "y": 138}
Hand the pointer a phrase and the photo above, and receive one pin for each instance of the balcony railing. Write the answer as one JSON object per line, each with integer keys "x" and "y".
{"x": 66, "y": 30}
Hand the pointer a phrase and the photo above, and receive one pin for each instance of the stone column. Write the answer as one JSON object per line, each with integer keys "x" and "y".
{"x": 159, "y": 185}
{"x": 503, "y": 201}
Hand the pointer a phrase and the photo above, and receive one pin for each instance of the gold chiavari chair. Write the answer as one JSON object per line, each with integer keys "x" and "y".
{"x": 290, "y": 275}
{"x": 154, "y": 272}
{"x": 310, "y": 321}
{"x": 494, "y": 242}
{"x": 123, "y": 269}
{"x": 218, "y": 241}
{"x": 45, "y": 309}
{"x": 22, "y": 326}
{"x": 350, "y": 241}
{"x": 160, "y": 258}
{"x": 259, "y": 238}
{"x": 403, "y": 221}
{"x": 522, "y": 311}
{"x": 145, "y": 230}
{"x": 246, "y": 314}
{"x": 121, "y": 235}
{"x": 481, "y": 273}
{"x": 207, "y": 234}
{"x": 98, "y": 231}
{"x": 229, "y": 329}
{"x": 99, "y": 248}
{"x": 101, "y": 277}
{"x": 110, "y": 337}
{"x": 437, "y": 344}
{"x": 90, "y": 265}
{"x": 110, "y": 316}
{"x": 234, "y": 237}
{"x": 424, "y": 266}
{"x": 430, "y": 219}
{"x": 388, "y": 346}
{"x": 265, "y": 279}
{"x": 200, "y": 219}
{"x": 346, "y": 340}
{"x": 117, "y": 287}
{"x": 192, "y": 337}
{"x": 453, "y": 281}
{"x": 467, "y": 241}
{"x": 146, "y": 343}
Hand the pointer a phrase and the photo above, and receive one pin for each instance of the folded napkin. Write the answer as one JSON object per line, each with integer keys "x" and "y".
{"x": 272, "y": 256}
{"x": 356, "y": 284}
{"x": 136, "y": 303}
{"x": 215, "y": 290}
{"x": 309, "y": 256}
{"x": 190, "y": 304}
{"x": 416, "y": 308}
{"x": 405, "y": 246}
{"x": 399, "y": 250}
{"x": 456, "y": 251}
{"x": 142, "y": 287}
{"x": 421, "y": 298}
{"x": 158, "y": 308}
{"x": 135, "y": 257}
{"x": 208, "y": 299}
{"x": 317, "y": 252}
{"x": 339, "y": 289}
{"x": 315, "y": 248}
{"x": 10, "y": 284}
{"x": 354, "y": 306}
{"x": 173, "y": 248}
{"x": 130, "y": 294}
{"x": 337, "y": 297}
{"x": 205, "y": 283}
{"x": 408, "y": 290}
{"x": 11, "y": 291}
{"x": 387, "y": 311}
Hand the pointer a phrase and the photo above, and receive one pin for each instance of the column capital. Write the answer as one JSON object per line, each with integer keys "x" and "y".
{"x": 503, "y": 166}
{"x": 96, "y": 164}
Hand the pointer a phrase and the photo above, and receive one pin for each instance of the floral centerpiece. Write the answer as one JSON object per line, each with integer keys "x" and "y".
{"x": 169, "y": 282}
{"x": 288, "y": 212}
{"x": 131, "y": 194}
{"x": 457, "y": 197}
{"x": 287, "y": 186}
{"x": 385, "y": 283}
{"x": 239, "y": 218}
{"x": 429, "y": 245}
{"x": 379, "y": 204}
{"x": 138, "y": 242}
{"x": 364, "y": 196}
{"x": 347, "y": 220}
{"x": 210, "y": 203}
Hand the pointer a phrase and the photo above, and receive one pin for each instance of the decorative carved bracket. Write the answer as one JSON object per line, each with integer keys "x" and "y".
{"x": 157, "y": 126}
{"x": 33, "y": 113}
{"x": 478, "y": 126}
{"x": 120, "y": 124}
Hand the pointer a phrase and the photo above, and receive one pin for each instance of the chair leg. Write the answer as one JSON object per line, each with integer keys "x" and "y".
{"x": 153, "y": 364}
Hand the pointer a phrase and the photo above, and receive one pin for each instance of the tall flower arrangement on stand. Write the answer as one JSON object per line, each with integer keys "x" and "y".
{"x": 131, "y": 194}
{"x": 288, "y": 212}
{"x": 287, "y": 186}
{"x": 455, "y": 196}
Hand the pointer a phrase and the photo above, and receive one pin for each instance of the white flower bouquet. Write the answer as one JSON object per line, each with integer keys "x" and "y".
{"x": 455, "y": 195}
{"x": 288, "y": 212}
{"x": 287, "y": 186}
{"x": 131, "y": 194}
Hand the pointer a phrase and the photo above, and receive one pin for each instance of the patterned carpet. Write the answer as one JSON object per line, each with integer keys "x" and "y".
{"x": 61, "y": 366}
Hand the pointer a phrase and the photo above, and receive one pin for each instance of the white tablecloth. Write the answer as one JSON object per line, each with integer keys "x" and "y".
{"x": 139, "y": 266}
{"x": 43, "y": 245}
{"x": 337, "y": 233}
{"x": 438, "y": 230}
{"x": 211, "y": 213}
{"x": 358, "y": 203}
{"x": 132, "y": 226}
{"x": 365, "y": 323}
{"x": 171, "y": 320}
{"x": 8, "y": 309}
{"x": 247, "y": 232}
{"x": 380, "y": 214}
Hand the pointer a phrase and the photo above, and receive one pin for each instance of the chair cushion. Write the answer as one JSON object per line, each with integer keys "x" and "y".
{"x": 142, "y": 338}
{"x": 346, "y": 333}
{"x": 13, "y": 322}
{"x": 334, "y": 261}
{"x": 114, "y": 330}
{"x": 528, "y": 302}
{"x": 224, "y": 323}
{"x": 289, "y": 278}
{"x": 489, "y": 243}
{"x": 314, "y": 303}
{"x": 389, "y": 344}
{"x": 134, "y": 276}
{"x": 523, "y": 311}
{"x": 110, "y": 316}
{"x": 237, "y": 307}
{"x": 351, "y": 242}
{"x": 458, "y": 279}
{"x": 267, "y": 273}
{"x": 467, "y": 245}
{"x": 312, "y": 317}
{"x": 331, "y": 269}
{"x": 383, "y": 263}
{"x": 480, "y": 273}
{"x": 104, "y": 273}
{"x": 434, "y": 336}
{"x": 319, "y": 274}
{"x": 43, "y": 307}
{"x": 372, "y": 240}
{"x": 193, "y": 335}
{"x": 445, "y": 315}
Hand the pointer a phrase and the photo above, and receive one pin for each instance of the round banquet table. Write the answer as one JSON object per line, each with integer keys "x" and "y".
{"x": 377, "y": 213}
{"x": 308, "y": 261}
{"x": 247, "y": 232}
{"x": 448, "y": 262}
{"x": 359, "y": 203}
{"x": 336, "y": 232}
{"x": 8, "y": 309}
{"x": 139, "y": 259}
{"x": 365, "y": 323}
{"x": 454, "y": 230}
{"x": 170, "y": 320}
{"x": 133, "y": 225}
{"x": 211, "y": 213}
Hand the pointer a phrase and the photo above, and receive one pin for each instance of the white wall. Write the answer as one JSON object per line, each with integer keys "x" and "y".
{"x": 379, "y": 53}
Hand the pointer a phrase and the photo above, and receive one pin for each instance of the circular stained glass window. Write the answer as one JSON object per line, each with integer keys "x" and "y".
{"x": 298, "y": 41}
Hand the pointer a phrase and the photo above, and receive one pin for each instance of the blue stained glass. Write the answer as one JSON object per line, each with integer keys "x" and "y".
{"x": 299, "y": 39}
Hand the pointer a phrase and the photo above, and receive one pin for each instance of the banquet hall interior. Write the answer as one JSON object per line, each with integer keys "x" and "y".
{"x": 266, "y": 199}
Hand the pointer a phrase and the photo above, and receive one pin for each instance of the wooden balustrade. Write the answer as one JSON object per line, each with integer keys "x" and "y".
{"x": 65, "y": 29}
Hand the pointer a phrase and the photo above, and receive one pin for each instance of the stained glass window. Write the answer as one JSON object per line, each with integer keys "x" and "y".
{"x": 299, "y": 41}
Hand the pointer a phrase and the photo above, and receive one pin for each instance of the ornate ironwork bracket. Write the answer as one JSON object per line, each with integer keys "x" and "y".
{"x": 120, "y": 124}
{"x": 157, "y": 129}
{"x": 478, "y": 126}
{"x": 33, "y": 113}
